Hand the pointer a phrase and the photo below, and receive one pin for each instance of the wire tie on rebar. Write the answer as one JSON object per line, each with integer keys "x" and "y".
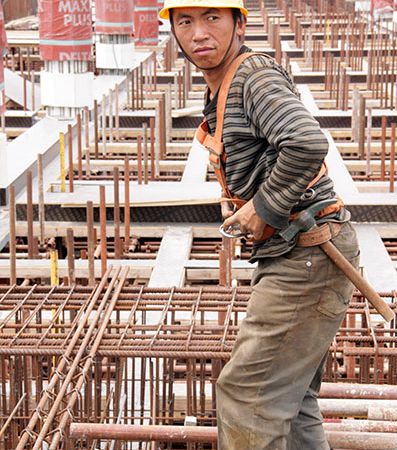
{"x": 68, "y": 410}
{"x": 78, "y": 393}
{"x": 30, "y": 433}
{"x": 67, "y": 360}
{"x": 50, "y": 394}
{"x": 60, "y": 431}
{"x": 60, "y": 374}
{"x": 39, "y": 412}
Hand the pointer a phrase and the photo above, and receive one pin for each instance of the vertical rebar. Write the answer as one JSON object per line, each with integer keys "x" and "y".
{"x": 70, "y": 157}
{"x": 12, "y": 241}
{"x": 79, "y": 148}
{"x": 383, "y": 148}
{"x": 40, "y": 183}
{"x": 96, "y": 129}
{"x": 87, "y": 126}
{"x": 116, "y": 218}
{"x": 71, "y": 256}
{"x": 62, "y": 160}
{"x": 392, "y": 155}
{"x": 127, "y": 216}
{"x": 29, "y": 212}
{"x": 152, "y": 131}
{"x": 145, "y": 154}
{"x": 103, "y": 115}
{"x": 90, "y": 243}
{"x": 361, "y": 132}
{"x": 139, "y": 159}
{"x": 102, "y": 219}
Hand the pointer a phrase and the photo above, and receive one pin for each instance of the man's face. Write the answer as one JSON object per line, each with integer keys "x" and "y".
{"x": 205, "y": 33}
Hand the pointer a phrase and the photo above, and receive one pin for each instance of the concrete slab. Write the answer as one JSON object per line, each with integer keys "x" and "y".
{"x": 344, "y": 184}
{"x": 14, "y": 88}
{"x": 152, "y": 194}
{"x": 169, "y": 270}
{"x": 307, "y": 98}
{"x": 378, "y": 266}
{"x": 21, "y": 153}
{"x": 196, "y": 165}
{"x": 41, "y": 268}
{"x": 4, "y": 228}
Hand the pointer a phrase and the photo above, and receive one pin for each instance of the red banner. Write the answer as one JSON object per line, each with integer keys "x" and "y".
{"x": 146, "y": 22}
{"x": 382, "y": 6}
{"x": 114, "y": 17}
{"x": 65, "y": 30}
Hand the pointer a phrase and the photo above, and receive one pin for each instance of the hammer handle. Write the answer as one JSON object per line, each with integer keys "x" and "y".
{"x": 361, "y": 284}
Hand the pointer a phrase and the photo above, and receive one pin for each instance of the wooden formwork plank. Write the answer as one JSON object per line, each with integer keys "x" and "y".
{"x": 169, "y": 269}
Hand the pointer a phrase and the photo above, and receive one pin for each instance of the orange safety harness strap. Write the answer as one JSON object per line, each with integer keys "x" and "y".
{"x": 214, "y": 144}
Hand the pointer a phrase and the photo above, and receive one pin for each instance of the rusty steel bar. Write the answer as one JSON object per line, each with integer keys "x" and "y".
{"x": 383, "y": 148}
{"x": 377, "y": 426}
{"x": 40, "y": 188}
{"x": 139, "y": 159}
{"x": 369, "y": 140}
{"x": 79, "y": 149}
{"x": 29, "y": 212}
{"x": 81, "y": 321}
{"x": 152, "y": 155}
{"x": 104, "y": 306}
{"x": 392, "y": 156}
{"x": 356, "y": 390}
{"x": 12, "y": 415}
{"x": 361, "y": 441}
{"x": 70, "y": 255}
{"x": 110, "y": 115}
{"x": 382, "y": 413}
{"x": 91, "y": 243}
{"x": 87, "y": 164}
{"x": 117, "y": 112}
{"x": 12, "y": 234}
{"x": 86, "y": 116}
{"x": 165, "y": 433}
{"x": 103, "y": 124}
{"x": 127, "y": 210}
{"x": 116, "y": 215}
{"x": 145, "y": 153}
{"x": 70, "y": 157}
{"x": 361, "y": 132}
{"x": 66, "y": 416}
{"x": 102, "y": 220}
{"x": 96, "y": 129}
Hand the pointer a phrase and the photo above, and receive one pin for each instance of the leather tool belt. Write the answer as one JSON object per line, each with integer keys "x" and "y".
{"x": 319, "y": 235}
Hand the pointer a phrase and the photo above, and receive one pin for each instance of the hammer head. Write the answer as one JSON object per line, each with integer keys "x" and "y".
{"x": 305, "y": 220}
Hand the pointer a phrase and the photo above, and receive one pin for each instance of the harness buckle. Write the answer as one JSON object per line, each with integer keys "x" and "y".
{"x": 214, "y": 159}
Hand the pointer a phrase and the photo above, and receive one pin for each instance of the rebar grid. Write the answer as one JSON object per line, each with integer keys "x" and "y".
{"x": 149, "y": 356}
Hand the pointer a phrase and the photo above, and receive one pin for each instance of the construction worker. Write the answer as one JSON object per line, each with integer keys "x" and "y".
{"x": 268, "y": 158}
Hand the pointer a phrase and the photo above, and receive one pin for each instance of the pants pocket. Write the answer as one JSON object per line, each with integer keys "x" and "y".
{"x": 338, "y": 291}
{"x": 331, "y": 304}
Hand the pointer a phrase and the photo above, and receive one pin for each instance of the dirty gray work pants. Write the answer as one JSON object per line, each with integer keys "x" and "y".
{"x": 267, "y": 392}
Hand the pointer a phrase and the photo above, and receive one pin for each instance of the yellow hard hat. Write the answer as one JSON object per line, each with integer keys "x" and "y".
{"x": 170, "y": 4}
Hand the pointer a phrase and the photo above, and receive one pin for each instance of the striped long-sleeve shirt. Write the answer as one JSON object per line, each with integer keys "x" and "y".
{"x": 274, "y": 147}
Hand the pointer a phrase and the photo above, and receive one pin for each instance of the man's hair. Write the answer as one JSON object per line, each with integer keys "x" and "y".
{"x": 237, "y": 14}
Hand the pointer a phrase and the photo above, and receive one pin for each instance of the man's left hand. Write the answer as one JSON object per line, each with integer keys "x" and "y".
{"x": 248, "y": 221}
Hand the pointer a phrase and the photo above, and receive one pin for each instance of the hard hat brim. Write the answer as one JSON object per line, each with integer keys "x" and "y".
{"x": 165, "y": 12}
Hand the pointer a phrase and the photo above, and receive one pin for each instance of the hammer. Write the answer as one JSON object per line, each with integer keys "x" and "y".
{"x": 305, "y": 222}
